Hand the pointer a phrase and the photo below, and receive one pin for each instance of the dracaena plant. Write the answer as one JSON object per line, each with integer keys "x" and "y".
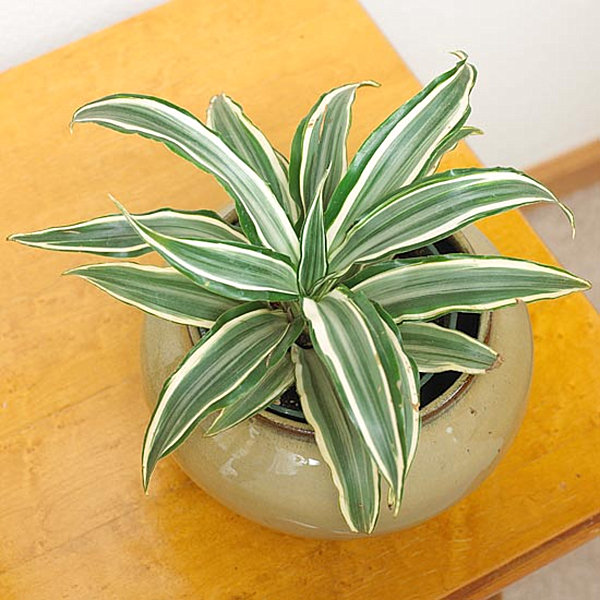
{"x": 309, "y": 291}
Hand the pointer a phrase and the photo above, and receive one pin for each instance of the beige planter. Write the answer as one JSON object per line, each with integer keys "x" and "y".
{"x": 270, "y": 470}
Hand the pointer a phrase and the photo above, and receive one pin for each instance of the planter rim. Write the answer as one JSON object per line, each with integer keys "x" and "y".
{"x": 429, "y": 413}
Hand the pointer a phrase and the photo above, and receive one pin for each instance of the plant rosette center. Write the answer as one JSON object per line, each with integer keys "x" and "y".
{"x": 315, "y": 289}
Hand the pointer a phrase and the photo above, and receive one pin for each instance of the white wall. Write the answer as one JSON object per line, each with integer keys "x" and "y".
{"x": 29, "y": 28}
{"x": 538, "y": 92}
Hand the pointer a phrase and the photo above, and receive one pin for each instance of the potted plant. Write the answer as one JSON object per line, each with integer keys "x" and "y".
{"x": 308, "y": 335}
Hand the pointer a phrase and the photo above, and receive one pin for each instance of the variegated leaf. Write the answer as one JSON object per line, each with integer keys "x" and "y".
{"x": 436, "y": 207}
{"x": 448, "y": 144}
{"x": 402, "y": 375}
{"x": 435, "y": 349}
{"x": 218, "y": 366}
{"x": 113, "y": 236}
{"x": 273, "y": 383}
{"x": 396, "y": 152}
{"x": 229, "y": 269}
{"x": 262, "y": 218}
{"x": 313, "y": 245}
{"x": 354, "y": 473}
{"x": 159, "y": 291}
{"x": 319, "y": 145}
{"x": 346, "y": 342}
{"x": 424, "y": 288}
{"x": 228, "y": 119}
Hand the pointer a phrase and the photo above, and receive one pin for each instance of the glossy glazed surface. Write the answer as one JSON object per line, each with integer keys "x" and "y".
{"x": 273, "y": 473}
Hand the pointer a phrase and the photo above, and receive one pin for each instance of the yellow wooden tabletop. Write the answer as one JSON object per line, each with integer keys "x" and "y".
{"x": 74, "y": 522}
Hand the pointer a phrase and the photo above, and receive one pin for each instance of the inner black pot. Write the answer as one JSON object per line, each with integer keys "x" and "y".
{"x": 433, "y": 385}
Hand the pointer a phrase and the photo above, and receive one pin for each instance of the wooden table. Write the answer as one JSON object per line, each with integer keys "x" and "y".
{"x": 74, "y": 522}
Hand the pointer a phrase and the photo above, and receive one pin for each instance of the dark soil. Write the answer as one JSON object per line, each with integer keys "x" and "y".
{"x": 432, "y": 385}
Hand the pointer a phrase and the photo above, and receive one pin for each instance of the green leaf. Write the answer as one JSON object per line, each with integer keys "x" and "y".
{"x": 313, "y": 245}
{"x": 425, "y": 288}
{"x": 229, "y": 269}
{"x": 396, "y": 152}
{"x": 262, "y": 218}
{"x": 403, "y": 379}
{"x": 353, "y": 354}
{"x": 436, "y": 207}
{"x": 435, "y": 349}
{"x": 113, "y": 236}
{"x": 448, "y": 144}
{"x": 319, "y": 145}
{"x": 228, "y": 361}
{"x": 160, "y": 291}
{"x": 354, "y": 473}
{"x": 228, "y": 119}
{"x": 273, "y": 383}
{"x": 235, "y": 408}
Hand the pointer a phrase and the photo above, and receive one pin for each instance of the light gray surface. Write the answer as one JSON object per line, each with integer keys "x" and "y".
{"x": 572, "y": 577}
{"x": 582, "y": 254}
{"x": 31, "y": 28}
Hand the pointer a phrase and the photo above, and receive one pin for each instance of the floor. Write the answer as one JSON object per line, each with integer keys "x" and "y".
{"x": 582, "y": 254}
{"x": 575, "y": 576}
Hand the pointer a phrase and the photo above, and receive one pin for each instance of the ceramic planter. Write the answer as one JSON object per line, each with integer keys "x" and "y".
{"x": 270, "y": 470}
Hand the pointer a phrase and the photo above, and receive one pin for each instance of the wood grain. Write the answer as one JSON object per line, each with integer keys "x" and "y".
{"x": 74, "y": 522}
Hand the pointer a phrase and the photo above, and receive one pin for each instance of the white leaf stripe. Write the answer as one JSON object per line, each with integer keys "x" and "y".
{"x": 353, "y": 471}
{"x": 321, "y": 143}
{"x": 403, "y": 381}
{"x": 228, "y": 118}
{"x": 275, "y": 381}
{"x": 187, "y": 136}
{"x": 216, "y": 367}
{"x": 344, "y": 342}
{"x": 313, "y": 245}
{"x": 420, "y": 289}
{"x": 280, "y": 283}
{"x": 112, "y": 235}
{"x": 436, "y": 349}
{"x": 435, "y": 208}
{"x": 410, "y": 405}
{"x": 159, "y": 291}
{"x": 229, "y": 269}
{"x": 448, "y": 144}
{"x": 396, "y": 152}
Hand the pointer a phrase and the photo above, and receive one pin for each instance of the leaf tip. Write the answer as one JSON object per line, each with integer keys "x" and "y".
{"x": 78, "y": 271}
{"x": 371, "y": 83}
{"x": 146, "y": 474}
{"x": 460, "y": 54}
{"x": 569, "y": 213}
{"x": 74, "y": 119}
{"x": 125, "y": 212}
{"x": 214, "y": 100}
{"x": 497, "y": 362}
{"x": 117, "y": 203}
